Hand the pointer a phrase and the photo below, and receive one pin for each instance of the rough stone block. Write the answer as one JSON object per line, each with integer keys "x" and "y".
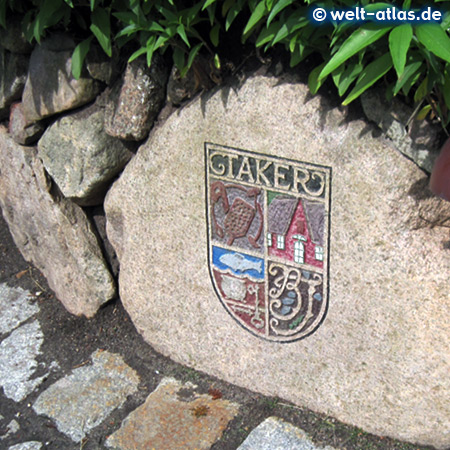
{"x": 379, "y": 357}
{"x": 174, "y": 417}
{"x": 82, "y": 400}
{"x": 22, "y": 131}
{"x": 16, "y": 306}
{"x": 51, "y": 231}
{"x": 80, "y": 157}
{"x": 136, "y": 99}
{"x": 276, "y": 434}
{"x": 50, "y": 87}
{"x": 17, "y": 361}
{"x": 13, "y": 73}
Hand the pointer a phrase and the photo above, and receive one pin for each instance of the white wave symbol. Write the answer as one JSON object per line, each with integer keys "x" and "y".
{"x": 240, "y": 263}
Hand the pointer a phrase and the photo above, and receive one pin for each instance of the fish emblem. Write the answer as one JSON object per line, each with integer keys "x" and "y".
{"x": 239, "y": 263}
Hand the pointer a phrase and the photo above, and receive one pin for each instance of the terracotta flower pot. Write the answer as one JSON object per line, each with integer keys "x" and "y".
{"x": 440, "y": 177}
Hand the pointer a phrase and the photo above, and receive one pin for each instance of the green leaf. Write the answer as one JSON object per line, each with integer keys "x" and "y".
{"x": 422, "y": 90}
{"x": 212, "y": 14}
{"x": 408, "y": 77}
{"x": 150, "y": 49}
{"x": 182, "y": 32}
{"x": 446, "y": 91}
{"x": 161, "y": 41}
{"x": 50, "y": 12}
{"x": 126, "y": 17}
{"x": 313, "y": 80}
{"x": 296, "y": 57}
{"x": 137, "y": 53}
{"x": 267, "y": 35}
{"x": 435, "y": 39}
{"x": 291, "y": 25}
{"x": 343, "y": 78}
{"x": 214, "y": 35}
{"x": 128, "y": 31}
{"x": 207, "y": 3}
{"x": 279, "y": 6}
{"x": 399, "y": 42}
{"x": 69, "y": 2}
{"x": 226, "y": 6}
{"x": 423, "y": 112}
{"x": 256, "y": 16}
{"x": 193, "y": 13}
{"x": 234, "y": 10}
{"x": 178, "y": 58}
{"x": 358, "y": 40}
{"x": 217, "y": 61}
{"x": 93, "y": 5}
{"x": 79, "y": 55}
{"x": 445, "y": 24}
{"x": 192, "y": 54}
{"x": 101, "y": 29}
{"x": 370, "y": 75}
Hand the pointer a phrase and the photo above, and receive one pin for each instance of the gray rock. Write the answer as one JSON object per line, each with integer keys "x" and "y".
{"x": 98, "y": 218}
{"x": 13, "y": 73}
{"x": 50, "y": 87}
{"x": 11, "y": 428}
{"x": 179, "y": 89}
{"x": 18, "y": 363}
{"x": 383, "y": 343}
{"x": 202, "y": 75}
{"x": 21, "y": 130}
{"x": 80, "y": 157}
{"x": 276, "y": 434}
{"x": 51, "y": 231}
{"x": 100, "y": 66}
{"x": 16, "y": 306}
{"x": 82, "y": 400}
{"x": 30, "y": 445}
{"x": 136, "y": 100}
{"x": 418, "y": 141}
{"x": 13, "y": 38}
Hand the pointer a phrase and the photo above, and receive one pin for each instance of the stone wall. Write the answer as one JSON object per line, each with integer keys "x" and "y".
{"x": 353, "y": 322}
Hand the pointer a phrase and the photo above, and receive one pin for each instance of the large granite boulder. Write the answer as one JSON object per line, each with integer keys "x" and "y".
{"x": 81, "y": 158}
{"x": 50, "y": 87}
{"x": 52, "y": 232}
{"x": 136, "y": 99}
{"x": 379, "y": 358}
{"x": 13, "y": 73}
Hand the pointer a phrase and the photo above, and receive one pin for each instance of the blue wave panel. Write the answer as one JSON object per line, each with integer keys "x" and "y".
{"x": 239, "y": 263}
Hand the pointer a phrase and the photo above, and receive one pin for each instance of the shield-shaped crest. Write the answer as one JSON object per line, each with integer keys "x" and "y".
{"x": 268, "y": 240}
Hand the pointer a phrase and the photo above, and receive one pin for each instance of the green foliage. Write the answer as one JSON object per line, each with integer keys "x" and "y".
{"x": 406, "y": 59}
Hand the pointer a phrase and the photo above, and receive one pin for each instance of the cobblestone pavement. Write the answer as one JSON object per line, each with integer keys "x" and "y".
{"x": 72, "y": 383}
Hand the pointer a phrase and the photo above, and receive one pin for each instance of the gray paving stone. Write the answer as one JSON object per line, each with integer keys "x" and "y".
{"x": 275, "y": 434}
{"x": 15, "y": 307}
{"x": 11, "y": 428}
{"x": 17, "y": 361}
{"x": 82, "y": 400}
{"x": 30, "y": 445}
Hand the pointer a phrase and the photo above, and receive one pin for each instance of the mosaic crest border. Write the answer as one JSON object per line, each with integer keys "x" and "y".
{"x": 268, "y": 229}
